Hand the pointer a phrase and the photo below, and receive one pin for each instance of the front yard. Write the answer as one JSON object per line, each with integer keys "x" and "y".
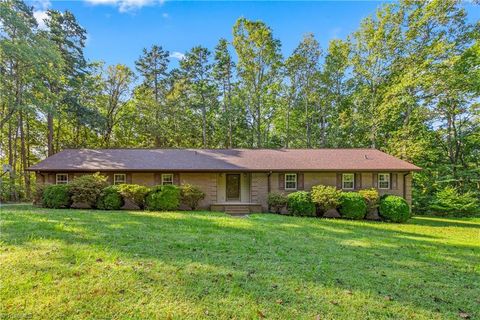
{"x": 117, "y": 264}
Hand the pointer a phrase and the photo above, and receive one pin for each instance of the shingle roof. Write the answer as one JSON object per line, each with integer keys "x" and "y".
{"x": 222, "y": 160}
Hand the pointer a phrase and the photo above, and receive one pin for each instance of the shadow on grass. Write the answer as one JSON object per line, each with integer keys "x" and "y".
{"x": 265, "y": 250}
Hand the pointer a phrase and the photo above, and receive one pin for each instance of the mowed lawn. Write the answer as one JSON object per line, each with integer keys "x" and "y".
{"x": 183, "y": 265}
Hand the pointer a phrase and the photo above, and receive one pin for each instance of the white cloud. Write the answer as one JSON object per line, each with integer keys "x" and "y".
{"x": 41, "y": 16}
{"x": 126, "y": 5}
{"x": 165, "y": 15}
{"x": 177, "y": 55}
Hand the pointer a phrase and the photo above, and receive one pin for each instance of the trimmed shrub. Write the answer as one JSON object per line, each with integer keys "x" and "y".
{"x": 371, "y": 198}
{"x": 163, "y": 198}
{"x": 134, "y": 193}
{"x": 191, "y": 195}
{"x": 86, "y": 189}
{"x": 326, "y": 197}
{"x": 352, "y": 206}
{"x": 277, "y": 201}
{"x": 110, "y": 199}
{"x": 56, "y": 196}
{"x": 300, "y": 204}
{"x": 394, "y": 208}
{"x": 450, "y": 202}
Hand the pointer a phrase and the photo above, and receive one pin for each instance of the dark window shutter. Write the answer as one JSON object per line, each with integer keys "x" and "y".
{"x": 51, "y": 178}
{"x": 300, "y": 183}
{"x": 358, "y": 181}
{"x": 393, "y": 181}
{"x": 375, "y": 180}
{"x": 176, "y": 179}
{"x": 109, "y": 177}
{"x": 129, "y": 178}
{"x": 339, "y": 181}
{"x": 157, "y": 178}
{"x": 281, "y": 181}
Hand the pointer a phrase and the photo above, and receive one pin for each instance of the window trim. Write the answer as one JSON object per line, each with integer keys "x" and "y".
{"x": 163, "y": 178}
{"x": 296, "y": 181}
{"x": 119, "y": 174}
{"x": 61, "y": 182}
{"x": 388, "y": 180}
{"x": 343, "y": 181}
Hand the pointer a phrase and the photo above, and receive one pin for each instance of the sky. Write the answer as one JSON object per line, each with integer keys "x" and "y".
{"x": 118, "y": 30}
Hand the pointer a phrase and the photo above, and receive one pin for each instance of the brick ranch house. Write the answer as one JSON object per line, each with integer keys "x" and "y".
{"x": 236, "y": 180}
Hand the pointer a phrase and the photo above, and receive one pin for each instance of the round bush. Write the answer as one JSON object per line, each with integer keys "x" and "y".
{"x": 191, "y": 195}
{"x": 110, "y": 199}
{"x": 394, "y": 208}
{"x": 326, "y": 197}
{"x": 56, "y": 196}
{"x": 86, "y": 189}
{"x": 277, "y": 201}
{"x": 352, "y": 206}
{"x": 134, "y": 193}
{"x": 300, "y": 204}
{"x": 371, "y": 198}
{"x": 163, "y": 198}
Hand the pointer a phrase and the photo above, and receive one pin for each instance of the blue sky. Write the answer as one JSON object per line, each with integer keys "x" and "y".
{"x": 119, "y": 29}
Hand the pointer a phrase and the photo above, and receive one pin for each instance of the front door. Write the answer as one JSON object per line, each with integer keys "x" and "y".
{"x": 233, "y": 187}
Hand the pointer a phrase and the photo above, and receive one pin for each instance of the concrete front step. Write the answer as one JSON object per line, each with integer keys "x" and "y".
{"x": 237, "y": 209}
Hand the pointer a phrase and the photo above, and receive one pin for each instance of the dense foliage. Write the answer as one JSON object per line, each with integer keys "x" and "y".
{"x": 371, "y": 198}
{"x": 277, "y": 201}
{"x": 326, "y": 197}
{"x": 134, "y": 193}
{"x": 352, "y": 206}
{"x": 163, "y": 198}
{"x": 110, "y": 199}
{"x": 449, "y": 201}
{"x": 394, "y": 208}
{"x": 405, "y": 82}
{"x": 86, "y": 189}
{"x": 300, "y": 204}
{"x": 56, "y": 196}
{"x": 191, "y": 195}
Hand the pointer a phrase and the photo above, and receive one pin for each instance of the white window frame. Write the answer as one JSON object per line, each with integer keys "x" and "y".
{"x": 387, "y": 175}
{"x": 115, "y": 175}
{"x": 290, "y": 181}
{"x": 63, "y": 181}
{"x": 353, "y": 181}
{"x": 164, "y": 182}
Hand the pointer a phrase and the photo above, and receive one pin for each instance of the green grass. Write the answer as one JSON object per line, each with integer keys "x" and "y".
{"x": 99, "y": 264}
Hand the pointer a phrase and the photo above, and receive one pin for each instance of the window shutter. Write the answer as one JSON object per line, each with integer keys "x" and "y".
{"x": 393, "y": 181}
{"x": 109, "y": 178}
{"x": 71, "y": 176}
{"x": 300, "y": 181}
{"x": 339, "y": 181}
{"x": 128, "y": 176}
{"x": 157, "y": 178}
{"x": 51, "y": 178}
{"x": 375, "y": 180}
{"x": 358, "y": 181}
{"x": 176, "y": 179}
{"x": 281, "y": 181}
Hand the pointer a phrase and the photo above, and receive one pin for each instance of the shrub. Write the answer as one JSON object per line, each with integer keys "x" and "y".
{"x": 394, "y": 208}
{"x": 110, "y": 199}
{"x": 277, "y": 201}
{"x": 38, "y": 194}
{"x": 326, "y": 197}
{"x": 371, "y": 198}
{"x": 86, "y": 189}
{"x": 191, "y": 195}
{"x": 56, "y": 196}
{"x": 449, "y": 201}
{"x": 300, "y": 204}
{"x": 352, "y": 206}
{"x": 134, "y": 193}
{"x": 163, "y": 198}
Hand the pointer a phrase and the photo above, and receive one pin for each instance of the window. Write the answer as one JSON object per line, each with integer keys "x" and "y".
{"x": 291, "y": 181}
{"x": 119, "y": 178}
{"x": 62, "y": 178}
{"x": 384, "y": 181}
{"x": 348, "y": 181}
{"x": 167, "y": 178}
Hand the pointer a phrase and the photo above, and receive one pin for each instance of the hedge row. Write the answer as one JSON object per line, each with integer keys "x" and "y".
{"x": 329, "y": 202}
{"x": 93, "y": 191}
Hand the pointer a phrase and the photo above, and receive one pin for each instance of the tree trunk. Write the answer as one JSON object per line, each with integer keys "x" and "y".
{"x": 50, "y": 134}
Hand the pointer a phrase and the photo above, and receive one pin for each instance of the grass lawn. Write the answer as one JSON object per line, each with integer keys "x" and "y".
{"x": 116, "y": 264}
